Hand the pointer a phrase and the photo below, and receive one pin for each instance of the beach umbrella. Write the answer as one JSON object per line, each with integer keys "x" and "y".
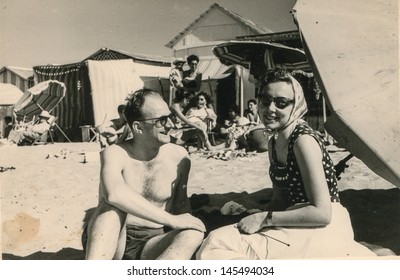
{"x": 259, "y": 56}
{"x": 9, "y": 94}
{"x": 353, "y": 48}
{"x": 43, "y": 96}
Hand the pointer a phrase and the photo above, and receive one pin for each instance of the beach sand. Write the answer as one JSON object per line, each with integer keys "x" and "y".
{"x": 44, "y": 200}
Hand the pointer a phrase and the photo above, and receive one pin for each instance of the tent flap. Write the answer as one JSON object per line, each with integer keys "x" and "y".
{"x": 352, "y": 47}
{"x": 111, "y": 82}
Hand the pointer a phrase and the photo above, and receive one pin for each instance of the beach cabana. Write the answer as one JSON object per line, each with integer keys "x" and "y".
{"x": 227, "y": 85}
{"x": 114, "y": 74}
{"x": 21, "y": 77}
{"x": 86, "y": 101}
{"x": 9, "y": 95}
{"x": 76, "y": 108}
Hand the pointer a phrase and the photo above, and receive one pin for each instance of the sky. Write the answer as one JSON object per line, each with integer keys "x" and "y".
{"x": 40, "y": 32}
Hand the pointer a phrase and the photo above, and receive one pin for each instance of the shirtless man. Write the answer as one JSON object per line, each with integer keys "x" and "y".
{"x": 143, "y": 210}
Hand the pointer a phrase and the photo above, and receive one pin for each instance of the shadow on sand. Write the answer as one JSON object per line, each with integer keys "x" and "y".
{"x": 375, "y": 216}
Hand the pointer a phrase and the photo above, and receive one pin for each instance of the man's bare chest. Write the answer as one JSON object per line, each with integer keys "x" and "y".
{"x": 155, "y": 182}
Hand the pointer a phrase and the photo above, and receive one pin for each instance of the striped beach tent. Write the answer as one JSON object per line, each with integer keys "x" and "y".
{"x": 76, "y": 109}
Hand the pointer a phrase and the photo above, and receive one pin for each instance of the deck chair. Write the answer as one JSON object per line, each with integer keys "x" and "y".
{"x": 43, "y": 139}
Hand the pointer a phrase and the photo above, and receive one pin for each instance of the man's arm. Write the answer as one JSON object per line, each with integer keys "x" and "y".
{"x": 125, "y": 133}
{"x": 117, "y": 193}
{"x": 183, "y": 118}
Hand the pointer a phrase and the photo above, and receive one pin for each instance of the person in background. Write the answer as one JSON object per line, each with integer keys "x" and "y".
{"x": 304, "y": 219}
{"x": 252, "y": 112}
{"x": 143, "y": 210}
{"x": 8, "y": 125}
{"x": 234, "y": 129}
{"x": 115, "y": 130}
{"x": 192, "y": 77}
{"x": 180, "y": 120}
{"x": 230, "y": 123}
{"x": 31, "y": 132}
{"x": 204, "y": 117}
{"x": 176, "y": 74}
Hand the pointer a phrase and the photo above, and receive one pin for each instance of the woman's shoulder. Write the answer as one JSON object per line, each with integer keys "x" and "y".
{"x": 303, "y": 134}
{"x": 302, "y": 128}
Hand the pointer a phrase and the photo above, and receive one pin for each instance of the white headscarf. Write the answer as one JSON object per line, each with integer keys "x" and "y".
{"x": 299, "y": 106}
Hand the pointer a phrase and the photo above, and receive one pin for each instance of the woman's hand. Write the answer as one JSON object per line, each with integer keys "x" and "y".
{"x": 252, "y": 223}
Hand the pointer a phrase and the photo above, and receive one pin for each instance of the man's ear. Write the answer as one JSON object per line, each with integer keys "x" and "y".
{"x": 136, "y": 127}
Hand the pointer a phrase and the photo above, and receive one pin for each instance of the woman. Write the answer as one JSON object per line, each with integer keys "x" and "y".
{"x": 180, "y": 102}
{"x": 192, "y": 77}
{"x": 204, "y": 117}
{"x": 304, "y": 219}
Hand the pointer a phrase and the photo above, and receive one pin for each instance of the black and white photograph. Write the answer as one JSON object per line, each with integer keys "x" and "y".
{"x": 212, "y": 130}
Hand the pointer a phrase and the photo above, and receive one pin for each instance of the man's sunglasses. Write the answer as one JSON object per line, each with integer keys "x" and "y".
{"x": 280, "y": 102}
{"x": 159, "y": 122}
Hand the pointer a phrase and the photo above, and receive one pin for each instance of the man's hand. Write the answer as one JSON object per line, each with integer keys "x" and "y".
{"x": 187, "y": 221}
{"x": 252, "y": 223}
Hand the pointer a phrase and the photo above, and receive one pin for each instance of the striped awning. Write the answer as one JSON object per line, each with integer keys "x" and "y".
{"x": 43, "y": 96}
{"x": 213, "y": 69}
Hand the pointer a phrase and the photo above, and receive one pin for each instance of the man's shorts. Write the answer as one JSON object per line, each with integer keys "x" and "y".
{"x": 136, "y": 239}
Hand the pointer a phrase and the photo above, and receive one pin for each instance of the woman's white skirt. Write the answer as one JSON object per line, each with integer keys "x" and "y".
{"x": 333, "y": 241}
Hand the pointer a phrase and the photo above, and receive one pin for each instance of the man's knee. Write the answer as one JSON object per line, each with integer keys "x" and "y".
{"x": 105, "y": 222}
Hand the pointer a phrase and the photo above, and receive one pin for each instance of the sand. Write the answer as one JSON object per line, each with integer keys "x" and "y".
{"x": 44, "y": 200}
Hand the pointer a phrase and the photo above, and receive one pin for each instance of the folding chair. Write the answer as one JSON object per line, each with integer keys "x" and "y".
{"x": 43, "y": 139}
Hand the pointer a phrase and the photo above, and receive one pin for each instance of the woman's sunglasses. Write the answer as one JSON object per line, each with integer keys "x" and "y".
{"x": 280, "y": 102}
{"x": 159, "y": 122}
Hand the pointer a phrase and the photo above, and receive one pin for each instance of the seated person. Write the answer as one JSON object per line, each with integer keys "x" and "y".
{"x": 115, "y": 130}
{"x": 180, "y": 102}
{"x": 252, "y": 112}
{"x": 234, "y": 116}
{"x": 236, "y": 133}
{"x": 203, "y": 116}
{"x": 304, "y": 219}
{"x": 32, "y": 132}
{"x": 143, "y": 210}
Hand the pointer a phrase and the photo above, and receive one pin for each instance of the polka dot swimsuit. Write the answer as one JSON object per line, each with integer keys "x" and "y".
{"x": 288, "y": 176}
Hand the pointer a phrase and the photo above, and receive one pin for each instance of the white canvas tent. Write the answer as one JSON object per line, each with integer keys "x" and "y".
{"x": 112, "y": 80}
